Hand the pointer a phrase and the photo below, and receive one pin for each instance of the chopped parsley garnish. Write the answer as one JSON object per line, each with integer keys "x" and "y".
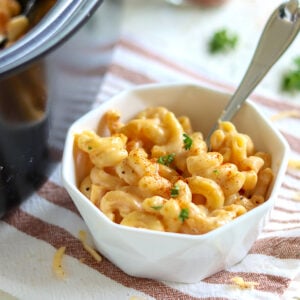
{"x": 184, "y": 214}
{"x": 222, "y": 41}
{"x": 175, "y": 191}
{"x": 187, "y": 141}
{"x": 216, "y": 171}
{"x": 90, "y": 147}
{"x": 291, "y": 79}
{"x": 157, "y": 207}
{"x": 166, "y": 159}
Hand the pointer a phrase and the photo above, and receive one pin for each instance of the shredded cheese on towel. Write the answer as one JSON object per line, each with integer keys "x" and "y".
{"x": 286, "y": 114}
{"x": 294, "y": 164}
{"x": 242, "y": 284}
{"x": 297, "y": 196}
{"x": 89, "y": 249}
{"x": 57, "y": 262}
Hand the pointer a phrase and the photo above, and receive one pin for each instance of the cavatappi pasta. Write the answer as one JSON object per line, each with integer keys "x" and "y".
{"x": 155, "y": 172}
{"x": 17, "y": 17}
{"x": 12, "y": 23}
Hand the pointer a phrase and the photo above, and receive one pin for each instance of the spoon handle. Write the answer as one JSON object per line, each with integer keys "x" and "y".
{"x": 279, "y": 32}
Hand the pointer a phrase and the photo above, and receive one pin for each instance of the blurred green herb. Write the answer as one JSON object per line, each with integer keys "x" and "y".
{"x": 175, "y": 191}
{"x": 157, "y": 207}
{"x": 184, "y": 214}
{"x": 291, "y": 79}
{"x": 166, "y": 159}
{"x": 187, "y": 142}
{"x": 222, "y": 41}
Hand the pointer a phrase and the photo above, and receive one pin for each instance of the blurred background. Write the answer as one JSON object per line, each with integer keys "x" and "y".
{"x": 184, "y": 32}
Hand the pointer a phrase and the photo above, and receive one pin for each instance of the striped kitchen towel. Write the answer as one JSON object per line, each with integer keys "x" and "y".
{"x": 31, "y": 233}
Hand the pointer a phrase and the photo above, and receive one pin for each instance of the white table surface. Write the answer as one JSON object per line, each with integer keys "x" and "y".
{"x": 184, "y": 33}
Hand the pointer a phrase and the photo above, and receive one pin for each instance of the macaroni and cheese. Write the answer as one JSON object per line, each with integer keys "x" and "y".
{"x": 155, "y": 172}
{"x": 12, "y": 23}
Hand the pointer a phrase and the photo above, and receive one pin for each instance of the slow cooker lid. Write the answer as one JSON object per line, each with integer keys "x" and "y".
{"x": 64, "y": 18}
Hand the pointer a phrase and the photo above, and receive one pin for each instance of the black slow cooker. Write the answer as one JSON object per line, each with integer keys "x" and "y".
{"x": 27, "y": 87}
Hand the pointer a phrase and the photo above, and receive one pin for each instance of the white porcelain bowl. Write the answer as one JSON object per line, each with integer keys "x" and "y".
{"x": 171, "y": 256}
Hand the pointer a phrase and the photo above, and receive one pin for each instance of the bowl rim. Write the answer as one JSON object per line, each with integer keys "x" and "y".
{"x": 70, "y": 186}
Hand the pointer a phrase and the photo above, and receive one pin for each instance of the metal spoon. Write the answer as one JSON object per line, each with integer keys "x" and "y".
{"x": 280, "y": 31}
